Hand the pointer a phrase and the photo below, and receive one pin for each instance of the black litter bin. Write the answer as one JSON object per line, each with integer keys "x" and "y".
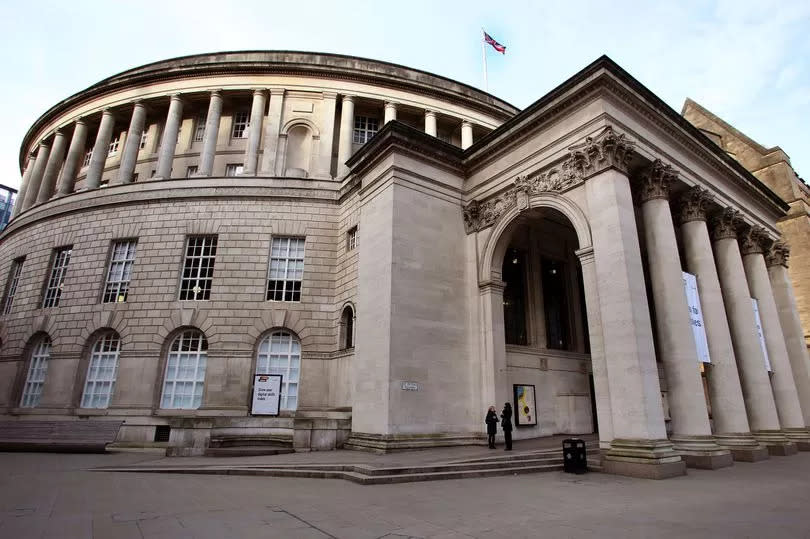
{"x": 574, "y": 458}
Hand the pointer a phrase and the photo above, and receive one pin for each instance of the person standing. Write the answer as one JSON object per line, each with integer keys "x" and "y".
{"x": 506, "y": 425}
{"x": 492, "y": 426}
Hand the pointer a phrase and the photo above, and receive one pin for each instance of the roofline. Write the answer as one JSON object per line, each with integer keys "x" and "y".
{"x": 274, "y": 61}
{"x": 605, "y": 63}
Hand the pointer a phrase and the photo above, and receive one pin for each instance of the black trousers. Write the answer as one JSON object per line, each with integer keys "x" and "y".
{"x": 491, "y": 440}
{"x": 507, "y": 437}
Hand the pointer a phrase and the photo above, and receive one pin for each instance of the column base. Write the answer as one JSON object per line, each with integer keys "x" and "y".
{"x": 800, "y": 437}
{"x": 743, "y": 446}
{"x": 776, "y": 442}
{"x": 702, "y": 452}
{"x": 648, "y": 459}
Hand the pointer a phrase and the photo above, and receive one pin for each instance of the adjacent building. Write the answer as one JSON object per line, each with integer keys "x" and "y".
{"x": 405, "y": 251}
{"x": 8, "y": 196}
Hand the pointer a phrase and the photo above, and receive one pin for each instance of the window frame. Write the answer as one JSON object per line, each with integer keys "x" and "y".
{"x": 39, "y": 356}
{"x": 295, "y": 284}
{"x": 241, "y": 123}
{"x": 115, "y": 142}
{"x": 183, "y": 340}
{"x": 192, "y": 170}
{"x": 56, "y": 275}
{"x": 144, "y": 140}
{"x": 125, "y": 262}
{"x": 96, "y": 359}
{"x": 88, "y": 156}
{"x": 352, "y": 238}
{"x": 197, "y": 267}
{"x": 199, "y": 127}
{"x": 263, "y": 355}
{"x": 12, "y": 283}
{"x": 237, "y": 168}
{"x": 362, "y": 130}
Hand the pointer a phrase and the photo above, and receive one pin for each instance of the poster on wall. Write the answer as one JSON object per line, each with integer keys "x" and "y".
{"x": 525, "y": 405}
{"x": 266, "y": 394}
{"x": 696, "y": 317}
{"x": 761, "y": 335}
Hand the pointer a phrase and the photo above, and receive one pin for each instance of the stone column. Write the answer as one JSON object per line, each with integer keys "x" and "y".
{"x": 129, "y": 158}
{"x": 756, "y": 386}
{"x": 430, "y": 123}
{"x": 346, "y": 133}
{"x": 35, "y": 180}
{"x": 777, "y": 260}
{"x": 254, "y": 133}
{"x": 271, "y": 154}
{"x": 209, "y": 145}
{"x": 55, "y": 160}
{"x": 466, "y": 135}
{"x": 784, "y": 387}
{"x": 390, "y": 112}
{"x": 75, "y": 154}
{"x": 691, "y": 431}
{"x": 100, "y": 150}
{"x": 640, "y": 446}
{"x": 731, "y": 427}
{"x": 493, "y": 376}
{"x": 323, "y": 166}
{"x": 26, "y": 178}
{"x": 169, "y": 141}
{"x": 601, "y": 385}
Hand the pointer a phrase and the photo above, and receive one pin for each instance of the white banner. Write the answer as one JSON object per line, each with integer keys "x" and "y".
{"x": 761, "y": 335}
{"x": 266, "y": 394}
{"x": 696, "y": 317}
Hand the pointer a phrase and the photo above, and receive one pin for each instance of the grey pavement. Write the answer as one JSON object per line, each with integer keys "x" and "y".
{"x": 55, "y": 495}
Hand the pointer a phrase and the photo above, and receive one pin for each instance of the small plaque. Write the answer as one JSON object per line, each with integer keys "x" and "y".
{"x": 410, "y": 386}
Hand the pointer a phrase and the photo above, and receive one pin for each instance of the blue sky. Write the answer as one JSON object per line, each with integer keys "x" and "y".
{"x": 747, "y": 61}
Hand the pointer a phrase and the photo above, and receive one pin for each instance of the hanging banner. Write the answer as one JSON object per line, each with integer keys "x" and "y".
{"x": 266, "y": 394}
{"x": 761, "y": 335}
{"x": 696, "y": 317}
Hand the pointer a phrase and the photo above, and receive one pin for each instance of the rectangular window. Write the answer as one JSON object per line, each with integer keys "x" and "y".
{"x": 144, "y": 139}
{"x": 233, "y": 169}
{"x": 119, "y": 273}
{"x": 87, "y": 157}
{"x": 113, "y": 149}
{"x": 198, "y": 268}
{"x": 56, "y": 280}
{"x": 199, "y": 128}
{"x": 191, "y": 171}
{"x": 286, "y": 269}
{"x": 13, "y": 281}
{"x": 241, "y": 121}
{"x": 364, "y": 129}
{"x": 351, "y": 239}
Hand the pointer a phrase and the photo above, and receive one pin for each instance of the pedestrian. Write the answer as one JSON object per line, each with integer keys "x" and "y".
{"x": 506, "y": 425}
{"x": 492, "y": 426}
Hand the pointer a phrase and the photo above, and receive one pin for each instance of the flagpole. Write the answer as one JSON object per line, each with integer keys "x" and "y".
{"x": 484, "y": 56}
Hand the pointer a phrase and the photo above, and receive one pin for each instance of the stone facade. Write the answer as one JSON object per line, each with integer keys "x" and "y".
{"x": 441, "y": 275}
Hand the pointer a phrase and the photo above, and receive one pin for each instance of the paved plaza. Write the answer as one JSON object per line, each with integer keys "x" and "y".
{"x": 55, "y": 495}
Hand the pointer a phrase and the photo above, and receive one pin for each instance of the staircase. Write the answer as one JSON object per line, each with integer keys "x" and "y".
{"x": 544, "y": 460}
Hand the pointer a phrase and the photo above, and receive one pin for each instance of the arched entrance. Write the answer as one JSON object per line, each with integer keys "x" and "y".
{"x": 542, "y": 330}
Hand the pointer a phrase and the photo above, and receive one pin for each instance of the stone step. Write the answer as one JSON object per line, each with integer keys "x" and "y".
{"x": 247, "y": 451}
{"x": 245, "y": 441}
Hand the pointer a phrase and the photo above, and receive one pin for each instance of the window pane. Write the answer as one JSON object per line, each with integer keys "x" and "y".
{"x": 101, "y": 372}
{"x": 185, "y": 371}
{"x": 286, "y": 269}
{"x": 284, "y": 359}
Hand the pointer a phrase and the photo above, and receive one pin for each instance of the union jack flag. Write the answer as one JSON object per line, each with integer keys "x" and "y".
{"x": 495, "y": 45}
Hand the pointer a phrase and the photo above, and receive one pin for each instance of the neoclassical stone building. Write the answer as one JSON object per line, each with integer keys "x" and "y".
{"x": 406, "y": 251}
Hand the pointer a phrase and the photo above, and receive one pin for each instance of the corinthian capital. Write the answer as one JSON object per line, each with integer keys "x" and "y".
{"x": 606, "y": 150}
{"x": 752, "y": 239}
{"x": 778, "y": 254}
{"x": 693, "y": 204}
{"x": 656, "y": 181}
{"x": 725, "y": 223}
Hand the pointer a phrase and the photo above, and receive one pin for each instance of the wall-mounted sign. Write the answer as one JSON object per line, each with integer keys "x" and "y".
{"x": 525, "y": 405}
{"x": 696, "y": 317}
{"x": 761, "y": 335}
{"x": 266, "y": 394}
{"x": 409, "y": 386}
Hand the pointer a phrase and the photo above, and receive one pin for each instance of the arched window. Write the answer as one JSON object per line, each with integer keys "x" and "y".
{"x": 347, "y": 328}
{"x": 102, "y": 371}
{"x": 185, "y": 371}
{"x": 37, "y": 370}
{"x": 280, "y": 353}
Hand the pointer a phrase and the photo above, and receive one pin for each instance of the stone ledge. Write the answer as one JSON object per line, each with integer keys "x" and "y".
{"x": 389, "y": 443}
{"x": 662, "y": 470}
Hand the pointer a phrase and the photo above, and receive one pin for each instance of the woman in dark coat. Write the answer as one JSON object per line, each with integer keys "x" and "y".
{"x": 492, "y": 426}
{"x": 506, "y": 425}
